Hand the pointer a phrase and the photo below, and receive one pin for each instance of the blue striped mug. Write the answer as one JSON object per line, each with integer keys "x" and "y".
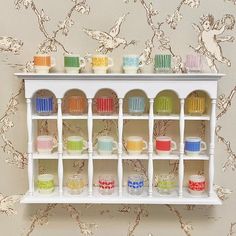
{"x": 194, "y": 145}
{"x": 44, "y": 105}
{"x": 136, "y": 105}
{"x": 106, "y": 145}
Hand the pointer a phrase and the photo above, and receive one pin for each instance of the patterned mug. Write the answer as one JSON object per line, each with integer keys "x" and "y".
{"x": 163, "y": 63}
{"x": 194, "y": 145}
{"x": 196, "y": 184}
{"x": 131, "y": 64}
{"x": 105, "y": 105}
{"x": 44, "y": 105}
{"x": 101, "y": 63}
{"x": 136, "y": 105}
{"x": 164, "y": 105}
{"x": 166, "y": 183}
{"x": 196, "y": 105}
{"x": 165, "y": 145}
{"x": 75, "y": 184}
{"x": 43, "y": 62}
{"x": 73, "y": 63}
{"x": 135, "y": 184}
{"x": 76, "y": 104}
{"x": 106, "y": 184}
{"x": 76, "y": 145}
{"x": 194, "y": 63}
{"x": 45, "y": 183}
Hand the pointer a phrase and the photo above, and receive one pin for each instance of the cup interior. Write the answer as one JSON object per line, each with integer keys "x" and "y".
{"x": 163, "y": 138}
{"x": 74, "y": 138}
{"x": 45, "y": 177}
{"x": 44, "y": 138}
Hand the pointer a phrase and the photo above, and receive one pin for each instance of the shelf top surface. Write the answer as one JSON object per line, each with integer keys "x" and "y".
{"x": 117, "y": 76}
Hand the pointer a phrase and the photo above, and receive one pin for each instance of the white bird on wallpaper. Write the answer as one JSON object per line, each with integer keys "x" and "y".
{"x": 109, "y": 41}
{"x": 209, "y": 39}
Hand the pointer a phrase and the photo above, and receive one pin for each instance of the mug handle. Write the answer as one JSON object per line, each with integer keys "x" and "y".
{"x": 203, "y": 146}
{"x": 141, "y": 64}
{"x": 82, "y": 62}
{"x": 53, "y": 62}
{"x": 145, "y": 145}
{"x": 110, "y": 62}
{"x": 115, "y": 145}
{"x": 173, "y": 145}
{"x": 85, "y": 145}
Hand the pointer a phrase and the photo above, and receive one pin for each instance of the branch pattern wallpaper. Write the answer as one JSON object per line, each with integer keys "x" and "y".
{"x": 115, "y": 27}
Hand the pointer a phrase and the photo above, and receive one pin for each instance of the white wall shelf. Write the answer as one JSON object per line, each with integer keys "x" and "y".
{"x": 151, "y": 84}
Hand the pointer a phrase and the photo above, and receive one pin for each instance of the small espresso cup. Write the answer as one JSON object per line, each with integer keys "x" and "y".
{"x": 163, "y": 105}
{"x": 136, "y": 105}
{"x": 196, "y": 105}
{"x": 76, "y": 104}
{"x": 194, "y": 145}
{"x": 166, "y": 183}
{"x": 105, "y": 105}
{"x": 43, "y": 62}
{"x": 45, "y": 144}
{"x": 131, "y": 64}
{"x": 75, "y": 145}
{"x": 162, "y": 63}
{"x": 45, "y": 183}
{"x": 44, "y": 105}
{"x": 106, "y": 145}
{"x": 165, "y": 145}
{"x": 196, "y": 184}
{"x": 73, "y": 63}
{"x": 101, "y": 63}
{"x": 135, "y": 144}
{"x": 194, "y": 63}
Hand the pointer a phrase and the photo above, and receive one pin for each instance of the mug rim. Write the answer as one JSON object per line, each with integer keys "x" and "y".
{"x": 105, "y": 137}
{"x": 105, "y": 97}
{"x": 131, "y": 55}
{"x": 163, "y": 138}
{"x": 142, "y": 97}
{"x": 134, "y": 138}
{"x": 72, "y": 55}
{"x": 42, "y": 55}
{"x": 49, "y": 137}
{"x": 99, "y": 55}
{"x": 45, "y": 177}
{"x": 193, "y": 139}
{"x": 74, "y": 138}
{"x": 197, "y": 178}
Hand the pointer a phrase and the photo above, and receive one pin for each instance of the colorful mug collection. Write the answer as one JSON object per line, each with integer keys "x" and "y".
{"x": 105, "y": 105}
{"x": 165, "y": 183}
{"x": 102, "y": 63}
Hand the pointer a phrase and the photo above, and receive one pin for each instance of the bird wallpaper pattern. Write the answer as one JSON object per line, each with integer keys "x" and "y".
{"x": 115, "y": 27}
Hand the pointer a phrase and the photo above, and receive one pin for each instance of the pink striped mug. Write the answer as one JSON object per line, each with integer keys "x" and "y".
{"x": 45, "y": 144}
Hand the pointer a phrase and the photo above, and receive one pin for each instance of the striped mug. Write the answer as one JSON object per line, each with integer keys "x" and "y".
{"x": 45, "y": 183}
{"x": 76, "y": 145}
{"x": 196, "y": 105}
{"x": 44, "y": 105}
{"x": 194, "y": 145}
{"x": 164, "y": 105}
{"x": 136, "y": 105}
{"x": 43, "y": 62}
{"x": 106, "y": 145}
{"x": 76, "y": 105}
{"x": 163, "y": 63}
{"x": 105, "y": 105}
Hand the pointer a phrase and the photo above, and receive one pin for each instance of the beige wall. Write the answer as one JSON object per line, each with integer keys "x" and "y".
{"x": 22, "y": 34}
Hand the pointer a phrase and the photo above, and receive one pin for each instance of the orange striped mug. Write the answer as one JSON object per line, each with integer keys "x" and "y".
{"x": 76, "y": 104}
{"x": 43, "y": 62}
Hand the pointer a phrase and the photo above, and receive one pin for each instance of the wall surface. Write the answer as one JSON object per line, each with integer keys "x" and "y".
{"x": 143, "y": 27}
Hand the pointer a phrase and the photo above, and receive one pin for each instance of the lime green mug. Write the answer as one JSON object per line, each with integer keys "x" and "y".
{"x": 164, "y": 105}
{"x": 76, "y": 145}
{"x": 45, "y": 183}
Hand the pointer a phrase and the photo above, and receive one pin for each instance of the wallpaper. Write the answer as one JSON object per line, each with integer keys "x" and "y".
{"x": 115, "y": 27}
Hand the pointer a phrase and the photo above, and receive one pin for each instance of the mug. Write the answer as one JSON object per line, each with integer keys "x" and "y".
{"x": 45, "y": 183}
{"x": 135, "y": 184}
{"x": 75, "y": 184}
{"x": 194, "y": 145}
{"x": 44, "y": 105}
{"x": 135, "y": 144}
{"x": 76, "y": 104}
{"x": 196, "y": 184}
{"x": 163, "y": 105}
{"x": 105, "y": 105}
{"x": 164, "y": 145}
{"x": 136, "y": 105}
{"x": 163, "y": 63}
{"x": 100, "y": 63}
{"x": 73, "y": 63}
{"x": 106, "y": 184}
{"x": 196, "y": 105}
{"x": 75, "y": 145}
{"x": 43, "y": 62}
{"x": 45, "y": 144}
{"x": 166, "y": 183}
{"x": 131, "y": 64}
{"x": 194, "y": 63}
{"x": 106, "y": 145}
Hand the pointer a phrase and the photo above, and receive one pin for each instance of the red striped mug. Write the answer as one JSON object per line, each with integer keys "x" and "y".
{"x": 105, "y": 105}
{"x": 164, "y": 145}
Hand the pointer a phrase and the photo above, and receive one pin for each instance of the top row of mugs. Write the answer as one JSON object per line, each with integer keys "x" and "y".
{"x": 101, "y": 63}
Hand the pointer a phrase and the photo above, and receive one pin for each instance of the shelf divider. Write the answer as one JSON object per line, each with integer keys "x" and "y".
{"x": 60, "y": 146}
{"x": 30, "y": 146}
{"x": 181, "y": 147}
{"x": 120, "y": 146}
{"x": 90, "y": 147}
{"x": 212, "y": 146}
{"x": 150, "y": 147}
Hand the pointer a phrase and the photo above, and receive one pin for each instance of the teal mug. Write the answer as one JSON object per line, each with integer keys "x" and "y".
{"x": 163, "y": 63}
{"x": 73, "y": 63}
{"x": 136, "y": 105}
{"x": 106, "y": 145}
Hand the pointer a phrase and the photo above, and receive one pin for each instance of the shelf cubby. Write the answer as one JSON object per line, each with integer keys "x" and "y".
{"x": 120, "y": 87}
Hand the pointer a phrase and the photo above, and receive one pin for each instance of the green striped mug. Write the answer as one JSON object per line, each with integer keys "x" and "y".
{"x": 162, "y": 63}
{"x": 76, "y": 145}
